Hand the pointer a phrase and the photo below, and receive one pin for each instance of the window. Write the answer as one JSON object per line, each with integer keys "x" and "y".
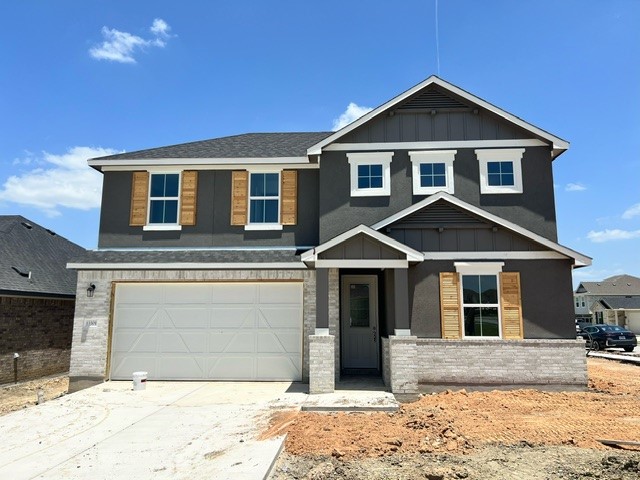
{"x": 264, "y": 199}
{"x": 500, "y": 170}
{"x": 432, "y": 171}
{"x": 480, "y": 299}
{"x": 164, "y": 193}
{"x": 577, "y": 302}
{"x": 583, "y": 302}
{"x": 370, "y": 173}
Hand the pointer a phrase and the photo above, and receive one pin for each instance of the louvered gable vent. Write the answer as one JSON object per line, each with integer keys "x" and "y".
{"x": 432, "y": 100}
{"x": 438, "y": 214}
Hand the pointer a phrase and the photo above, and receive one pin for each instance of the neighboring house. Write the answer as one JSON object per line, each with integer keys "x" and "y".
{"x": 418, "y": 243}
{"x": 613, "y": 300}
{"x": 37, "y": 297}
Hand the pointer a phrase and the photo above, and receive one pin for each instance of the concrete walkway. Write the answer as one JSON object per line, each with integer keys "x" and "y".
{"x": 170, "y": 430}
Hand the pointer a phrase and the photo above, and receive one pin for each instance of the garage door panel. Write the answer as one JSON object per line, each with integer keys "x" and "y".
{"x": 133, "y": 340}
{"x": 137, "y": 294}
{"x": 232, "y": 368}
{"x": 234, "y": 293}
{"x": 182, "y": 343}
{"x": 286, "y": 317}
{"x": 187, "y": 318}
{"x": 281, "y": 342}
{"x": 195, "y": 294}
{"x": 226, "y": 331}
{"x": 232, "y": 317}
{"x": 633, "y": 321}
{"x": 137, "y": 317}
{"x": 280, "y": 293}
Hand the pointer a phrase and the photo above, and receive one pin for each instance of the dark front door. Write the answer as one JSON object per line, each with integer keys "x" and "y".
{"x": 359, "y": 322}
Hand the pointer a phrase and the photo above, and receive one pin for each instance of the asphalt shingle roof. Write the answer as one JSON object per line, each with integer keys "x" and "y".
{"x": 188, "y": 256}
{"x": 616, "y": 285}
{"x": 619, "y": 301}
{"x": 27, "y": 247}
{"x": 248, "y": 145}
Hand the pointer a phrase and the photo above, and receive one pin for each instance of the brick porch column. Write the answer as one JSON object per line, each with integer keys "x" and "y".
{"x": 403, "y": 364}
{"x": 321, "y": 364}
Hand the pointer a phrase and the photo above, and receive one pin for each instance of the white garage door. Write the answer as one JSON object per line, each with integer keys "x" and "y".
{"x": 208, "y": 331}
{"x": 633, "y": 320}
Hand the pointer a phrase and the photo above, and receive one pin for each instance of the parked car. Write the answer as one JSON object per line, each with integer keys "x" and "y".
{"x": 603, "y": 336}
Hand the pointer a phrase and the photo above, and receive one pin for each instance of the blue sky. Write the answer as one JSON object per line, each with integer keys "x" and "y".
{"x": 84, "y": 78}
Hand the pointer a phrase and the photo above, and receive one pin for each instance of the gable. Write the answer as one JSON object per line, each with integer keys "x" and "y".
{"x": 433, "y": 115}
{"x": 361, "y": 247}
{"x": 416, "y": 99}
{"x": 442, "y": 227}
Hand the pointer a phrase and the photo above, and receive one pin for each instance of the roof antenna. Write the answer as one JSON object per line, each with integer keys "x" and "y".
{"x": 437, "y": 41}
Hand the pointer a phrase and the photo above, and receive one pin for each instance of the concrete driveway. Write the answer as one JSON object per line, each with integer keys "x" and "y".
{"x": 170, "y": 430}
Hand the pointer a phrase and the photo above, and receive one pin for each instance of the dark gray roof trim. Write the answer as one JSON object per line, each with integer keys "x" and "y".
{"x": 33, "y": 259}
{"x": 249, "y": 145}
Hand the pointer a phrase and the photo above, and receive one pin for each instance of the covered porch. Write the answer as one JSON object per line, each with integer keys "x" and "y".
{"x": 362, "y": 311}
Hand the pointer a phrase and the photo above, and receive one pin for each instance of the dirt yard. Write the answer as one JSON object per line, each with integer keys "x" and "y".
{"x": 23, "y": 394}
{"x": 522, "y": 434}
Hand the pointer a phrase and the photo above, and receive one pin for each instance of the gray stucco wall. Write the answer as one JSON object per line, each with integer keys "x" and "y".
{"x": 547, "y": 302}
{"x": 213, "y": 227}
{"x": 534, "y": 209}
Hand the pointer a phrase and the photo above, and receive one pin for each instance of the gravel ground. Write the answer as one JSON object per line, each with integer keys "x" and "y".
{"x": 24, "y": 394}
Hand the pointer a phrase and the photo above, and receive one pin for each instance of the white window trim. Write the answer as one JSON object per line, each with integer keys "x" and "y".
{"x": 260, "y": 225}
{"x": 163, "y": 226}
{"x": 480, "y": 268}
{"x": 432, "y": 156}
{"x": 370, "y": 158}
{"x": 500, "y": 155}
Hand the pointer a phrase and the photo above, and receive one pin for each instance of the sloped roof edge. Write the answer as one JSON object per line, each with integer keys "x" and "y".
{"x": 580, "y": 260}
{"x": 559, "y": 145}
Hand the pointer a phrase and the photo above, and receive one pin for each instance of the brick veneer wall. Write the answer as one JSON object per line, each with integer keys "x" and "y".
{"x": 91, "y": 324}
{"x": 502, "y": 362}
{"x": 39, "y": 330}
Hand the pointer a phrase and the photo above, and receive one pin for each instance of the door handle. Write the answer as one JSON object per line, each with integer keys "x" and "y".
{"x": 375, "y": 334}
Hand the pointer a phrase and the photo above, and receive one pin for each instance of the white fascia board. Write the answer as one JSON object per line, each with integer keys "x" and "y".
{"x": 188, "y": 266}
{"x": 558, "y": 143}
{"x": 510, "y": 255}
{"x": 270, "y": 167}
{"x": 198, "y": 162}
{"x": 412, "y": 255}
{"x": 579, "y": 259}
{"x": 441, "y": 145}
{"x": 362, "y": 264}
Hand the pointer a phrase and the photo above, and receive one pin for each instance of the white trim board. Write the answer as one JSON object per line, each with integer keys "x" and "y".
{"x": 512, "y": 255}
{"x": 202, "y": 163}
{"x": 454, "y": 144}
{"x": 187, "y": 266}
{"x": 580, "y": 260}
{"x": 559, "y": 145}
{"x": 351, "y": 263}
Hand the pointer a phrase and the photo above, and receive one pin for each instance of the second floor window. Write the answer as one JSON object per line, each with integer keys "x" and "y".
{"x": 432, "y": 171}
{"x": 369, "y": 176}
{"x": 500, "y": 170}
{"x": 370, "y": 173}
{"x": 500, "y": 174}
{"x": 264, "y": 198}
{"x": 163, "y": 198}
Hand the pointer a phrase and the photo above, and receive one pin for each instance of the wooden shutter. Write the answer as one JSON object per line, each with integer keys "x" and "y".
{"x": 188, "y": 195}
{"x": 139, "y": 199}
{"x": 289, "y": 197}
{"x": 450, "y": 305}
{"x": 511, "y": 305}
{"x": 239, "y": 197}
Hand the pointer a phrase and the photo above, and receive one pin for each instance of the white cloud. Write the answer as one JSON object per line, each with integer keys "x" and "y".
{"x": 64, "y": 181}
{"x": 353, "y": 112}
{"x": 632, "y": 211}
{"x": 611, "y": 235}
{"x": 121, "y": 46}
{"x": 575, "y": 187}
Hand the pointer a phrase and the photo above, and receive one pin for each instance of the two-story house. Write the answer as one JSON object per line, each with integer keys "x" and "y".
{"x": 613, "y": 300}
{"x": 417, "y": 243}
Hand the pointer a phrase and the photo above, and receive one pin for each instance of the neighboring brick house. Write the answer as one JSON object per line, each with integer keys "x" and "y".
{"x": 614, "y": 300}
{"x": 418, "y": 243}
{"x": 37, "y": 297}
